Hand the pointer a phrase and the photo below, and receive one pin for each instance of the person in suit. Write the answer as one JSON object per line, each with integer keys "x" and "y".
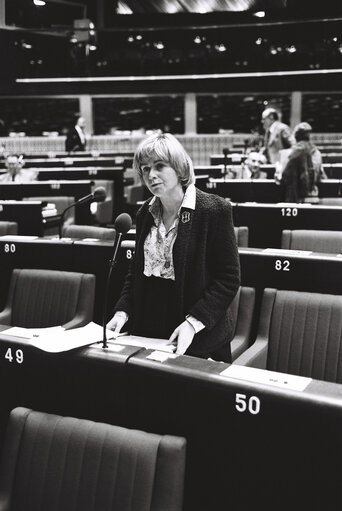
{"x": 277, "y": 135}
{"x": 15, "y": 172}
{"x": 250, "y": 169}
{"x": 75, "y": 138}
{"x": 185, "y": 271}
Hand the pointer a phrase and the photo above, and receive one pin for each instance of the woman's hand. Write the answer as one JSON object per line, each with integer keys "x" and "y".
{"x": 183, "y": 335}
{"x": 117, "y": 321}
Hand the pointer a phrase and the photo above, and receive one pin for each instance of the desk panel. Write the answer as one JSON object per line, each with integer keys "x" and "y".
{"x": 27, "y": 214}
{"x": 283, "y": 448}
{"x": 75, "y": 189}
{"x": 104, "y": 161}
{"x": 267, "y": 221}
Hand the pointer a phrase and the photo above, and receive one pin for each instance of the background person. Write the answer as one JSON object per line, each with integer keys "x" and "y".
{"x": 185, "y": 272}
{"x": 303, "y": 169}
{"x": 75, "y": 138}
{"x": 15, "y": 172}
{"x": 277, "y": 135}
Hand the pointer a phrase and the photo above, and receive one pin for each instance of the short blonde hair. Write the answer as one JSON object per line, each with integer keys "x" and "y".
{"x": 165, "y": 147}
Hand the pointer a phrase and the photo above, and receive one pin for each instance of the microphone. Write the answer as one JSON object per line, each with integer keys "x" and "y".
{"x": 122, "y": 225}
{"x": 98, "y": 195}
{"x": 225, "y": 151}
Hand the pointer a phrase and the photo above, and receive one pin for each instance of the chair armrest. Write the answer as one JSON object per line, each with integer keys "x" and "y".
{"x": 238, "y": 345}
{"x": 6, "y": 316}
{"x": 255, "y": 355}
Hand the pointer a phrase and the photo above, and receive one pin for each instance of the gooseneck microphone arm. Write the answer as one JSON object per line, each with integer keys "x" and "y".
{"x": 122, "y": 225}
{"x": 98, "y": 195}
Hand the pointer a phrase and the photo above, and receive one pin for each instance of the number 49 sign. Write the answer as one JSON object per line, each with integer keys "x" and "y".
{"x": 16, "y": 356}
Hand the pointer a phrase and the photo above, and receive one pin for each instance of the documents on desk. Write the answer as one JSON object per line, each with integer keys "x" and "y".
{"x": 144, "y": 342}
{"x": 56, "y": 339}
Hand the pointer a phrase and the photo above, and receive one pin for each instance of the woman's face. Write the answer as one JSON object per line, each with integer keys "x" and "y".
{"x": 160, "y": 178}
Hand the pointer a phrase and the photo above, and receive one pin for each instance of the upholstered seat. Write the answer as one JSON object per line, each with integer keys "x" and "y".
{"x": 88, "y": 231}
{"x": 62, "y": 463}
{"x": 241, "y": 235}
{"x": 299, "y": 333}
{"x": 44, "y": 298}
{"x": 242, "y": 308}
{"x": 8, "y": 228}
{"x": 317, "y": 241}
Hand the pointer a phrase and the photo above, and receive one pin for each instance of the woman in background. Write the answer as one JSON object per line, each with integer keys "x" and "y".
{"x": 185, "y": 272}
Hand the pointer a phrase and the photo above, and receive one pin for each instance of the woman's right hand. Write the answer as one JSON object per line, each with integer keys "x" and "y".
{"x": 117, "y": 321}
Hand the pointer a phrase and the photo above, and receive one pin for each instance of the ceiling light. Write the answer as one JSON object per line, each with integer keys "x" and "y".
{"x": 258, "y": 41}
{"x": 291, "y": 49}
{"x": 92, "y": 47}
{"x": 260, "y": 14}
{"x": 220, "y": 47}
{"x": 197, "y": 39}
{"x": 159, "y": 45}
{"x": 39, "y": 3}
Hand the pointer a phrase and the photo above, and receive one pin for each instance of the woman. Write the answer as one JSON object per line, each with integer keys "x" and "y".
{"x": 185, "y": 272}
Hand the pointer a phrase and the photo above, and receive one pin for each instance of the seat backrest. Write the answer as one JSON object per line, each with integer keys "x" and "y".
{"x": 241, "y": 235}
{"x": 53, "y": 462}
{"x": 8, "y": 228}
{"x": 317, "y": 241}
{"x": 304, "y": 333}
{"x": 88, "y": 231}
{"x": 44, "y": 298}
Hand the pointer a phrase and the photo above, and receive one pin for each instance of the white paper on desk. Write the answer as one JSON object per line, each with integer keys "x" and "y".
{"x": 146, "y": 342}
{"x": 31, "y": 333}
{"x": 69, "y": 339}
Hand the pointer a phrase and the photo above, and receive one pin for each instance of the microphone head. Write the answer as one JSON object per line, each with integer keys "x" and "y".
{"x": 99, "y": 194}
{"x": 225, "y": 151}
{"x": 123, "y": 223}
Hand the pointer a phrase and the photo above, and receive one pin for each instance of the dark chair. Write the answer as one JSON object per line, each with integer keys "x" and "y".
{"x": 299, "y": 333}
{"x": 45, "y": 298}
{"x": 317, "y": 241}
{"x": 53, "y": 462}
{"x": 8, "y": 228}
{"x": 88, "y": 231}
{"x": 241, "y": 235}
{"x": 243, "y": 309}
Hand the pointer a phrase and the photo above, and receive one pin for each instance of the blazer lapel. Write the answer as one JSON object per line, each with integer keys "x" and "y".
{"x": 180, "y": 250}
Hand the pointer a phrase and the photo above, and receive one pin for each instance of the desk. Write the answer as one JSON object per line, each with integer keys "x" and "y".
{"x": 114, "y": 174}
{"x": 70, "y": 162}
{"x": 285, "y": 447}
{"x": 75, "y": 189}
{"x": 267, "y": 221}
{"x": 28, "y": 215}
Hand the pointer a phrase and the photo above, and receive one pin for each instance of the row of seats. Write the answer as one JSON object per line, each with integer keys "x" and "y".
{"x": 53, "y": 462}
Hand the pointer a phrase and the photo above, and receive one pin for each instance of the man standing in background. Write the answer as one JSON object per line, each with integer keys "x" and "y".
{"x": 277, "y": 135}
{"x": 75, "y": 139}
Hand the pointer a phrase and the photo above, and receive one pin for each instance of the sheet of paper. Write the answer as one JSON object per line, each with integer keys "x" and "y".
{"x": 161, "y": 356}
{"x": 285, "y": 381}
{"x": 146, "y": 342}
{"x": 31, "y": 333}
{"x": 69, "y": 339}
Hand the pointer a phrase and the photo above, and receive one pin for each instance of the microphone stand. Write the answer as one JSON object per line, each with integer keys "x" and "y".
{"x": 112, "y": 263}
{"x": 61, "y": 220}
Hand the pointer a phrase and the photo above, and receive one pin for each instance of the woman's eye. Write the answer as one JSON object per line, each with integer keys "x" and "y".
{"x": 159, "y": 166}
{"x": 146, "y": 170}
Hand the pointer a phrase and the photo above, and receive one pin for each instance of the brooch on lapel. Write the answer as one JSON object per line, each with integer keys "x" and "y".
{"x": 185, "y": 217}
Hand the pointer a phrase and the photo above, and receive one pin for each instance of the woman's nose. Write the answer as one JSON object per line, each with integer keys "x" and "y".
{"x": 152, "y": 173}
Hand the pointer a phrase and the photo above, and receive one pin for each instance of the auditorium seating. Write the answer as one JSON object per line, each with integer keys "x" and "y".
{"x": 54, "y": 462}
{"x": 88, "y": 231}
{"x": 45, "y": 298}
{"x": 299, "y": 333}
{"x": 8, "y": 228}
{"x": 317, "y": 241}
{"x": 241, "y": 235}
{"x": 242, "y": 308}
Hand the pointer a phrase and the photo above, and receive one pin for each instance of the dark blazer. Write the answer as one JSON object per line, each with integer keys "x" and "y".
{"x": 73, "y": 141}
{"x": 207, "y": 271}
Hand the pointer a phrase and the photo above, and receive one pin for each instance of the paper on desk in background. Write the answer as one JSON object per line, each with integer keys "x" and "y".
{"x": 145, "y": 342}
{"x": 70, "y": 339}
{"x": 30, "y": 333}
